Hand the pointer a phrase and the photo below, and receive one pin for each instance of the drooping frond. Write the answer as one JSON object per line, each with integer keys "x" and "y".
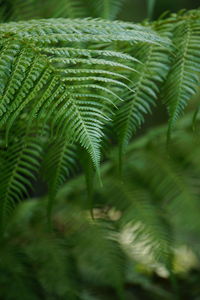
{"x": 79, "y": 77}
{"x": 158, "y": 73}
{"x": 151, "y": 74}
{"x": 183, "y": 78}
{"x": 19, "y": 166}
{"x": 59, "y": 163}
{"x": 46, "y": 80}
{"x": 67, "y": 88}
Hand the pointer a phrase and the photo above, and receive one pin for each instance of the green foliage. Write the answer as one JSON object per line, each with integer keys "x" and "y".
{"x": 183, "y": 77}
{"x": 15, "y": 10}
{"x": 150, "y": 76}
{"x": 56, "y": 80}
{"x": 70, "y": 79}
{"x": 19, "y": 168}
{"x": 145, "y": 213}
{"x": 70, "y": 89}
{"x": 58, "y": 165}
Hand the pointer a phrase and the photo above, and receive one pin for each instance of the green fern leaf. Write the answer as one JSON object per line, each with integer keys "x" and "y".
{"x": 147, "y": 82}
{"x": 59, "y": 163}
{"x": 183, "y": 78}
{"x": 18, "y": 171}
{"x": 38, "y": 81}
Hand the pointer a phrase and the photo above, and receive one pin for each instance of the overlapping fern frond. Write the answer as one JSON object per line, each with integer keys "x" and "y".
{"x": 64, "y": 84}
{"x": 51, "y": 80}
{"x": 19, "y": 169}
{"x": 72, "y": 79}
{"x": 172, "y": 75}
{"x": 55, "y": 75}
{"x": 150, "y": 76}
{"x": 183, "y": 78}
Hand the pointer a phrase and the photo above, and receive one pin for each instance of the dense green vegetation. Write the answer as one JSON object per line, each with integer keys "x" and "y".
{"x": 91, "y": 205}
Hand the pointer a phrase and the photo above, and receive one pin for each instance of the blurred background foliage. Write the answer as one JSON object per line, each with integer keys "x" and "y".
{"x": 142, "y": 241}
{"x": 128, "y": 10}
{"x": 138, "y": 10}
{"x": 102, "y": 250}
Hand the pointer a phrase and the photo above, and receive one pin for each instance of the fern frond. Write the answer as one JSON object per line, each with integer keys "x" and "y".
{"x": 55, "y": 30}
{"x": 146, "y": 84}
{"x": 38, "y": 81}
{"x": 59, "y": 163}
{"x": 20, "y": 165}
{"x": 64, "y": 83}
{"x": 183, "y": 77}
{"x": 81, "y": 127}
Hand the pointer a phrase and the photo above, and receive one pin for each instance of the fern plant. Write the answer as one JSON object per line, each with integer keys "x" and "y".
{"x": 143, "y": 223}
{"x": 64, "y": 81}
{"x": 68, "y": 91}
{"x": 72, "y": 88}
